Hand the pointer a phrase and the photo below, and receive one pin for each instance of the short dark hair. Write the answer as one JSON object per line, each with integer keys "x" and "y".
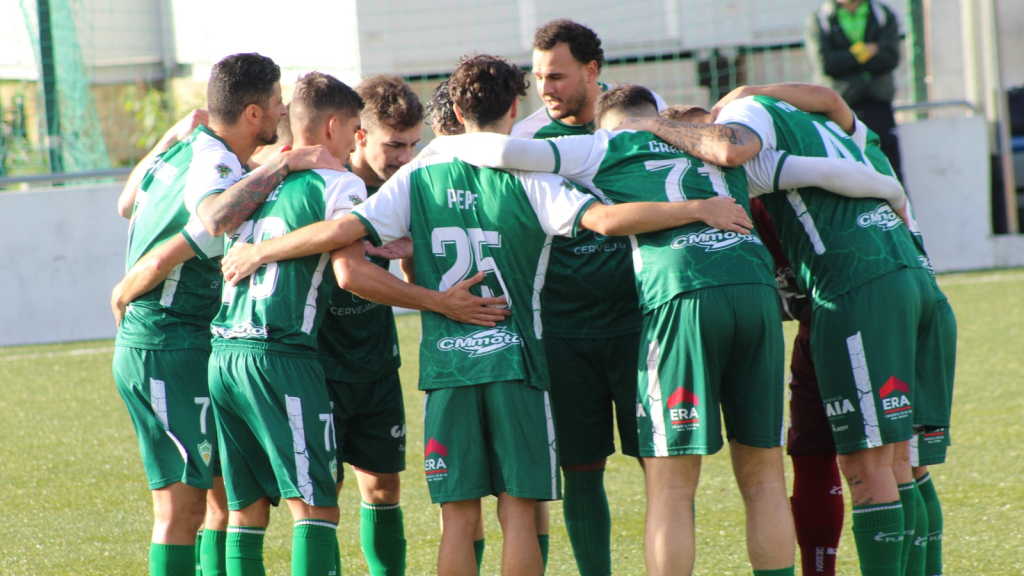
{"x": 317, "y": 96}
{"x": 389, "y": 101}
{"x": 484, "y": 87}
{"x": 624, "y": 97}
{"x": 238, "y": 81}
{"x": 440, "y": 113}
{"x": 583, "y": 42}
{"x": 684, "y": 112}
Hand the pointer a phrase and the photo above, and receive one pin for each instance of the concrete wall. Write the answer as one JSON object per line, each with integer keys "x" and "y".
{"x": 61, "y": 252}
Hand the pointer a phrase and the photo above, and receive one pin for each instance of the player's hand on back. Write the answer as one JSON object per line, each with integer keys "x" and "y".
{"x": 240, "y": 262}
{"x": 117, "y": 305}
{"x": 395, "y": 250}
{"x": 312, "y": 157}
{"x": 187, "y": 125}
{"x": 724, "y": 213}
{"x": 736, "y": 94}
{"x": 459, "y": 304}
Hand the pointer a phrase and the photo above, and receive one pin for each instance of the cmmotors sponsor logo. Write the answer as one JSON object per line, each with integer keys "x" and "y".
{"x": 683, "y": 417}
{"x": 882, "y": 216}
{"x": 713, "y": 240}
{"x": 894, "y": 398}
{"x": 433, "y": 460}
{"x": 482, "y": 342}
{"x": 243, "y": 330}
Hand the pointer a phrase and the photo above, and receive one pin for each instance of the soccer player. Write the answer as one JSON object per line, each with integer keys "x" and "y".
{"x": 273, "y": 411}
{"x": 359, "y": 342}
{"x": 851, "y": 255}
{"x": 588, "y": 329}
{"x": 488, "y": 420}
{"x": 163, "y": 340}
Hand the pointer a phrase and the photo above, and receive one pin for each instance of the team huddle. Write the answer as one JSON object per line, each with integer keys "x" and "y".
{"x": 607, "y": 262}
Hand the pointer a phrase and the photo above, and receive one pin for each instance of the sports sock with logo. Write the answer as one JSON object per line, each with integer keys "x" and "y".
{"x": 776, "y": 572}
{"x": 382, "y": 535}
{"x": 243, "y": 550}
{"x": 172, "y": 559}
{"x": 199, "y": 546}
{"x": 588, "y": 521}
{"x": 933, "y": 555}
{"x": 544, "y": 540}
{"x": 478, "y": 550}
{"x": 919, "y": 544}
{"x": 211, "y": 556}
{"x": 878, "y": 533}
{"x": 314, "y": 543}
{"x": 817, "y": 511}
{"x": 908, "y": 499}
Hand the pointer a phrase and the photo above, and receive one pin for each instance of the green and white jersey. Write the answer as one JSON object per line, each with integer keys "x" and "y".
{"x": 462, "y": 220}
{"x": 280, "y": 307}
{"x": 835, "y": 243}
{"x": 591, "y": 292}
{"x": 358, "y": 339}
{"x": 628, "y": 166}
{"x": 176, "y": 314}
{"x": 873, "y": 153}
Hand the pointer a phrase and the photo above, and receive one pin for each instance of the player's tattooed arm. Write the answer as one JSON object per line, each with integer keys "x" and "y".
{"x": 807, "y": 97}
{"x": 372, "y": 282}
{"x": 224, "y": 212}
{"x": 180, "y": 131}
{"x": 243, "y": 259}
{"x": 720, "y": 144}
{"x": 152, "y": 269}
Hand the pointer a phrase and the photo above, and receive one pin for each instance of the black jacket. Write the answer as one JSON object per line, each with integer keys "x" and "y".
{"x": 829, "y": 50}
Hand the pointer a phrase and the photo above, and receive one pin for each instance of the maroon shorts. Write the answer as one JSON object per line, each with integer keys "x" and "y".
{"x": 809, "y": 430}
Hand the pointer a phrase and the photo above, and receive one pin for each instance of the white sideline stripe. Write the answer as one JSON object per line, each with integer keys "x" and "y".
{"x": 859, "y": 364}
{"x": 158, "y": 400}
{"x": 797, "y": 202}
{"x": 915, "y": 454}
{"x": 986, "y": 279}
{"x": 656, "y": 411}
{"x": 538, "y": 285}
{"x": 171, "y": 286}
{"x": 551, "y": 445}
{"x": 74, "y": 352}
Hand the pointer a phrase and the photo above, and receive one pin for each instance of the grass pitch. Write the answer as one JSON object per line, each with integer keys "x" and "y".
{"x": 73, "y": 497}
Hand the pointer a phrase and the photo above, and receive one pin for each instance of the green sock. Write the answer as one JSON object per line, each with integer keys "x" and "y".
{"x": 211, "y": 556}
{"x": 478, "y": 549}
{"x": 382, "y": 534}
{"x": 172, "y": 559}
{"x": 933, "y": 555}
{"x": 313, "y": 545}
{"x": 878, "y": 534}
{"x": 908, "y": 499}
{"x": 776, "y": 572}
{"x": 243, "y": 550}
{"x": 199, "y": 546}
{"x": 588, "y": 521}
{"x": 919, "y": 546}
{"x": 544, "y": 540}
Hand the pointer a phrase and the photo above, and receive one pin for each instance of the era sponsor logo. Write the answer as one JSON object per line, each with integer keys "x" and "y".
{"x": 839, "y": 407}
{"x": 482, "y": 342}
{"x": 683, "y": 417}
{"x": 895, "y": 403}
{"x": 435, "y": 467}
{"x": 882, "y": 216}
{"x": 713, "y": 240}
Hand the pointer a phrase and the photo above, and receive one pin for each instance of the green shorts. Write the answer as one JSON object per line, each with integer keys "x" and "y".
{"x": 864, "y": 345}
{"x": 490, "y": 438}
{"x": 936, "y": 363}
{"x": 928, "y": 446}
{"x": 588, "y": 377}
{"x": 168, "y": 399}
{"x": 712, "y": 347}
{"x": 275, "y": 426}
{"x": 369, "y": 421}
